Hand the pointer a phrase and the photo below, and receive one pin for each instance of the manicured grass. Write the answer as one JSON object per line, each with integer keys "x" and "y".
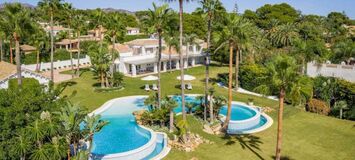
{"x": 306, "y": 135}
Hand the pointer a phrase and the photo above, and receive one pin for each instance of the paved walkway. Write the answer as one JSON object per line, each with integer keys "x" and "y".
{"x": 59, "y": 77}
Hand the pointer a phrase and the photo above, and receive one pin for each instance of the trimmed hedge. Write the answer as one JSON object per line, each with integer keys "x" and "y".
{"x": 26, "y": 83}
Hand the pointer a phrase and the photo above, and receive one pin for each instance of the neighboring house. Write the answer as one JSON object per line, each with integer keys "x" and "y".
{"x": 56, "y": 29}
{"x": 132, "y": 31}
{"x": 98, "y": 32}
{"x": 139, "y": 57}
{"x": 67, "y": 44}
{"x": 27, "y": 49}
{"x": 8, "y": 71}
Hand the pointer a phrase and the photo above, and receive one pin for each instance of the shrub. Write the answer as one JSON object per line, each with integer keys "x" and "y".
{"x": 252, "y": 75}
{"x": 26, "y": 83}
{"x": 318, "y": 106}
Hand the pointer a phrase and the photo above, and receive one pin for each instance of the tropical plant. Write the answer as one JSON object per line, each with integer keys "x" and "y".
{"x": 341, "y": 105}
{"x": 68, "y": 13}
{"x": 190, "y": 39}
{"x": 283, "y": 75}
{"x": 51, "y": 7}
{"x": 19, "y": 24}
{"x": 151, "y": 101}
{"x": 158, "y": 17}
{"x": 218, "y": 102}
{"x": 211, "y": 92}
{"x": 190, "y": 106}
{"x": 79, "y": 25}
{"x": 169, "y": 103}
{"x": 101, "y": 62}
{"x": 93, "y": 124}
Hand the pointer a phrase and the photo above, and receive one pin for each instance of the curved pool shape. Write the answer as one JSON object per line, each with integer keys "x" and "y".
{"x": 244, "y": 119}
{"x": 123, "y": 138}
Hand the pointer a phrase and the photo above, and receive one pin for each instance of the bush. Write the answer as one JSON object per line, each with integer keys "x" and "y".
{"x": 318, "y": 106}
{"x": 252, "y": 75}
{"x": 26, "y": 83}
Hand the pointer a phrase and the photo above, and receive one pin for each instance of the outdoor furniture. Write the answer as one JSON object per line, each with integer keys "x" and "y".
{"x": 189, "y": 86}
{"x": 147, "y": 87}
{"x": 155, "y": 88}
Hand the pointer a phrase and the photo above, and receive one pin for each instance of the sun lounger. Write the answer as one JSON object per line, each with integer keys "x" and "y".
{"x": 147, "y": 87}
{"x": 155, "y": 88}
{"x": 189, "y": 86}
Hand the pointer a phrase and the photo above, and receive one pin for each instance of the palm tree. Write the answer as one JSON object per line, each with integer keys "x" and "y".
{"x": 101, "y": 62}
{"x": 181, "y": 30}
{"x": 79, "y": 24}
{"x": 171, "y": 41}
{"x": 115, "y": 28}
{"x": 283, "y": 35}
{"x": 341, "y": 105}
{"x": 2, "y": 35}
{"x": 170, "y": 104}
{"x": 218, "y": 103}
{"x": 158, "y": 17}
{"x": 19, "y": 23}
{"x": 71, "y": 116}
{"x": 189, "y": 40}
{"x": 51, "y": 6}
{"x": 283, "y": 75}
{"x": 98, "y": 21}
{"x": 233, "y": 32}
{"x": 211, "y": 92}
{"x": 210, "y": 9}
{"x": 39, "y": 41}
{"x": 93, "y": 124}
{"x": 68, "y": 12}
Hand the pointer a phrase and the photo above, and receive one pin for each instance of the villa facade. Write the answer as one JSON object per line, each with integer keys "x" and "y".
{"x": 140, "y": 56}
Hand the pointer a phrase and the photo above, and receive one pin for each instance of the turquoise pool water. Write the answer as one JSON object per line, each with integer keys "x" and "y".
{"x": 189, "y": 99}
{"x": 122, "y": 134}
{"x": 239, "y": 112}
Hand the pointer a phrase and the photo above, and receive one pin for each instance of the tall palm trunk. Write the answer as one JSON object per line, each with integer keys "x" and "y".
{"x": 236, "y": 68}
{"x": 182, "y": 61}
{"x": 18, "y": 60}
{"x": 159, "y": 67}
{"x": 279, "y": 126}
{"x": 171, "y": 121}
{"x": 37, "y": 59}
{"x": 207, "y": 72}
{"x": 113, "y": 40}
{"x": 102, "y": 79}
{"x": 1, "y": 50}
{"x": 77, "y": 67}
{"x": 226, "y": 122}
{"x": 11, "y": 55}
{"x": 211, "y": 108}
{"x": 71, "y": 55}
{"x": 52, "y": 47}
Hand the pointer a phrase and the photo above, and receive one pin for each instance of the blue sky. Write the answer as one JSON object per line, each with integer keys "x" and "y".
{"x": 320, "y": 7}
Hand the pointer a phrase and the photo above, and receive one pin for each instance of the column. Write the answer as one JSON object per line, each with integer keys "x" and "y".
{"x": 143, "y": 50}
{"x": 194, "y": 48}
{"x": 134, "y": 70}
{"x": 177, "y": 64}
{"x": 164, "y": 66}
{"x": 193, "y": 62}
{"x": 155, "y": 67}
{"x": 185, "y": 63}
{"x": 66, "y": 47}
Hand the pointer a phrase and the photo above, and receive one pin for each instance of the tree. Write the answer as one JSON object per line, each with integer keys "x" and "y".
{"x": 210, "y": 9}
{"x": 158, "y": 17}
{"x": 39, "y": 41}
{"x": 79, "y": 25}
{"x": 93, "y": 124}
{"x": 169, "y": 103}
{"x": 68, "y": 14}
{"x": 21, "y": 146}
{"x": 101, "y": 62}
{"x": 341, "y": 105}
{"x": 233, "y": 33}
{"x": 181, "y": 11}
{"x": 2, "y": 37}
{"x": 218, "y": 103}
{"x": 211, "y": 92}
{"x": 283, "y": 35}
{"x": 283, "y": 75}
{"x": 19, "y": 23}
{"x": 115, "y": 29}
{"x": 51, "y": 7}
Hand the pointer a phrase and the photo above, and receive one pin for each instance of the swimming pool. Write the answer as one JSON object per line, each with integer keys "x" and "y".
{"x": 123, "y": 138}
{"x": 244, "y": 119}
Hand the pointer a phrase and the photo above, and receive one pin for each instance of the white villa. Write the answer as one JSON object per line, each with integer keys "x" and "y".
{"x": 139, "y": 57}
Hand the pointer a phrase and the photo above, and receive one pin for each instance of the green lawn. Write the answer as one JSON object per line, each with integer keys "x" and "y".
{"x": 306, "y": 135}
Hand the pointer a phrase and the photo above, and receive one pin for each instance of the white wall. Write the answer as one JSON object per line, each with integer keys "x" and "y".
{"x": 346, "y": 72}
{"x": 58, "y": 64}
{"x": 27, "y": 74}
